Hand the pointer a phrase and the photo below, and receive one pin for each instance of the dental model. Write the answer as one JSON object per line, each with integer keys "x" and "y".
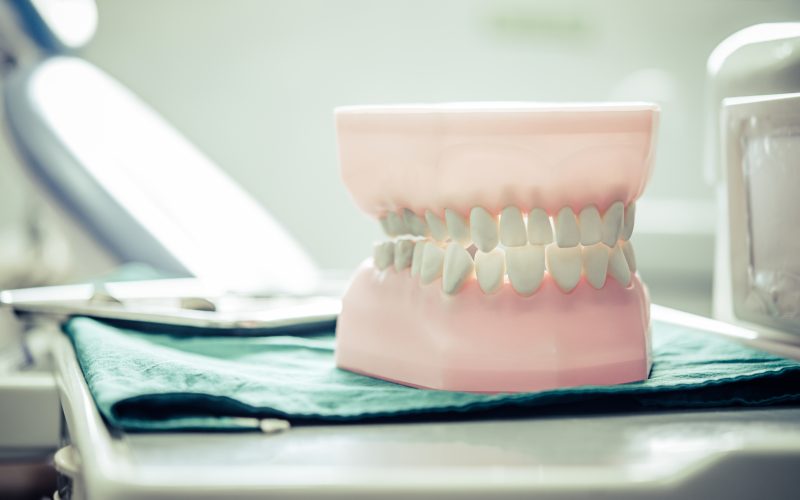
{"x": 508, "y": 264}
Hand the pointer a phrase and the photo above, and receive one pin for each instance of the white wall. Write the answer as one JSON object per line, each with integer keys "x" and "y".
{"x": 254, "y": 82}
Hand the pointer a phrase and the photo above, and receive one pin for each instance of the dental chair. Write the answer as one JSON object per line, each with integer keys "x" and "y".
{"x": 142, "y": 192}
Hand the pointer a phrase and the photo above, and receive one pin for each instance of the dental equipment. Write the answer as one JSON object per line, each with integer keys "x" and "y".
{"x": 126, "y": 175}
{"x": 753, "y": 138}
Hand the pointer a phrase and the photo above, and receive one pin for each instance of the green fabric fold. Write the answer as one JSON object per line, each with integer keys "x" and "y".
{"x": 159, "y": 382}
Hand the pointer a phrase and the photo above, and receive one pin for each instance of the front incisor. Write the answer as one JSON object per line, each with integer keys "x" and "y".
{"x": 483, "y": 228}
{"x": 525, "y": 267}
{"x": 512, "y": 228}
{"x": 540, "y": 231}
{"x": 564, "y": 265}
{"x": 489, "y": 270}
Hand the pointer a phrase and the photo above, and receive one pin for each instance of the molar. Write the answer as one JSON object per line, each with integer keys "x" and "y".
{"x": 414, "y": 223}
{"x": 432, "y": 263}
{"x": 591, "y": 225}
{"x": 540, "y": 232}
{"x": 416, "y": 259}
{"x": 436, "y": 225}
{"x": 618, "y": 266}
{"x": 612, "y": 223}
{"x": 458, "y": 266}
{"x": 630, "y": 257}
{"x": 512, "y": 227}
{"x": 567, "y": 232}
{"x": 385, "y": 225}
{"x": 403, "y": 250}
{"x": 595, "y": 264}
{"x": 395, "y": 224}
{"x": 564, "y": 265}
{"x": 457, "y": 226}
{"x": 525, "y": 267}
{"x": 489, "y": 269}
{"x": 383, "y": 254}
{"x": 483, "y": 229}
{"x": 627, "y": 225}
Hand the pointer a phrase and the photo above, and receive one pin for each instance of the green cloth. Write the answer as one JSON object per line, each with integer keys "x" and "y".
{"x": 156, "y": 382}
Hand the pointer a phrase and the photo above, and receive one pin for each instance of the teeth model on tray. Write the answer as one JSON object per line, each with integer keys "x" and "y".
{"x": 507, "y": 264}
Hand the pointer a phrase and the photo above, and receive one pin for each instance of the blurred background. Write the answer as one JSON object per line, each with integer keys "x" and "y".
{"x": 253, "y": 84}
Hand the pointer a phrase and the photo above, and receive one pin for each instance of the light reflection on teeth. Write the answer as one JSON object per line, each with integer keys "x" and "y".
{"x": 416, "y": 257}
{"x": 525, "y": 267}
{"x": 512, "y": 228}
{"x": 436, "y": 225}
{"x": 591, "y": 225}
{"x": 458, "y": 267}
{"x": 416, "y": 226}
{"x": 595, "y": 264}
{"x": 540, "y": 232}
{"x": 457, "y": 226}
{"x": 629, "y": 218}
{"x": 630, "y": 257}
{"x": 432, "y": 263}
{"x": 403, "y": 250}
{"x": 618, "y": 266}
{"x": 564, "y": 265}
{"x": 483, "y": 228}
{"x": 383, "y": 254}
{"x": 489, "y": 269}
{"x": 612, "y": 223}
{"x": 567, "y": 232}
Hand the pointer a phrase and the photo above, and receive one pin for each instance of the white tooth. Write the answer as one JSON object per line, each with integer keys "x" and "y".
{"x": 630, "y": 257}
{"x": 403, "y": 250}
{"x": 385, "y": 225}
{"x": 396, "y": 224}
{"x": 618, "y": 266}
{"x": 591, "y": 225}
{"x": 432, "y": 263}
{"x": 483, "y": 229}
{"x": 436, "y": 225}
{"x": 512, "y": 228}
{"x": 457, "y": 226}
{"x": 540, "y": 232}
{"x": 567, "y": 232}
{"x": 489, "y": 269}
{"x": 458, "y": 266}
{"x": 525, "y": 267}
{"x": 414, "y": 223}
{"x": 383, "y": 254}
{"x": 612, "y": 223}
{"x": 595, "y": 264}
{"x": 416, "y": 258}
{"x": 564, "y": 265}
{"x": 629, "y": 218}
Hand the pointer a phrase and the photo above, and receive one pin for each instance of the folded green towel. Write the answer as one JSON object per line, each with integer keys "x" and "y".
{"x": 155, "y": 382}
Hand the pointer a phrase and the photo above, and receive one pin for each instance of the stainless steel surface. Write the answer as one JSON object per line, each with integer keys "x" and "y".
{"x": 164, "y": 302}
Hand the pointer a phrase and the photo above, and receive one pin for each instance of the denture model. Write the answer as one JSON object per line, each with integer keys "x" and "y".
{"x": 508, "y": 266}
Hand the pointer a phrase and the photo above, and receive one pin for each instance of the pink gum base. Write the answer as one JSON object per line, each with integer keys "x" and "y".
{"x": 394, "y": 328}
{"x": 526, "y": 158}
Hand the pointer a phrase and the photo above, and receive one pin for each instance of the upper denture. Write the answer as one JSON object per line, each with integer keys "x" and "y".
{"x": 432, "y": 157}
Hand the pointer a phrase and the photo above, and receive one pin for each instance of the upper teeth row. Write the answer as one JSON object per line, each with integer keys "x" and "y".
{"x": 514, "y": 229}
{"x": 523, "y": 265}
